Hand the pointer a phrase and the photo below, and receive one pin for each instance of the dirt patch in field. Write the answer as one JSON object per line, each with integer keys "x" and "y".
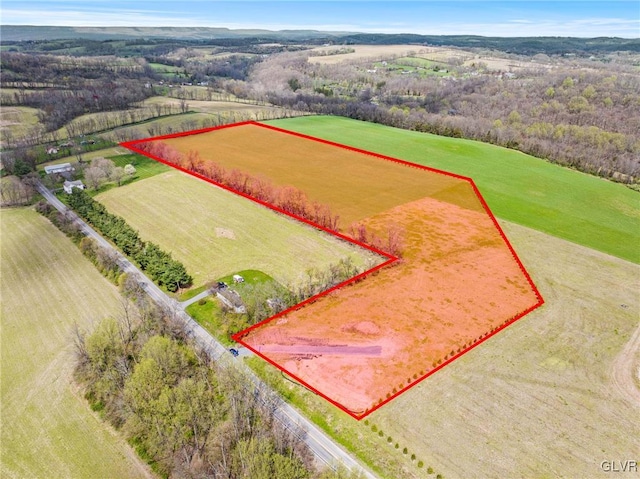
{"x": 225, "y": 233}
{"x": 458, "y": 283}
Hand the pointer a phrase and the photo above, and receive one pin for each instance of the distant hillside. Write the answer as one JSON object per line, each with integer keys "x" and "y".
{"x": 521, "y": 45}
{"x": 14, "y": 33}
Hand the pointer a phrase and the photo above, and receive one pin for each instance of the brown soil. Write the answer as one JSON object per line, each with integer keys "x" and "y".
{"x": 458, "y": 282}
{"x": 355, "y": 185}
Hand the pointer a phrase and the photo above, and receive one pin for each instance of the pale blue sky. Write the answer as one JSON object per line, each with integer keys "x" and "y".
{"x": 491, "y": 18}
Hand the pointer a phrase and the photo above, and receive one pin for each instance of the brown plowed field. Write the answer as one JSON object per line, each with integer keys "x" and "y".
{"x": 354, "y": 184}
{"x": 457, "y": 283}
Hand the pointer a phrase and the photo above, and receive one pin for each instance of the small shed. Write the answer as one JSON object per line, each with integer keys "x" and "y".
{"x": 68, "y": 186}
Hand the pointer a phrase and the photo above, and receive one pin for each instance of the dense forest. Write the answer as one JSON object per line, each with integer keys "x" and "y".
{"x": 188, "y": 416}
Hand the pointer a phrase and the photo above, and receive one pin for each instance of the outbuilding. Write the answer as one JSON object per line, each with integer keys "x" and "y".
{"x": 60, "y": 169}
{"x": 68, "y": 186}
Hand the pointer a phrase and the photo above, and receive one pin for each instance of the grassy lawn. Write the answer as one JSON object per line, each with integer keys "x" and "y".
{"x": 520, "y": 188}
{"x": 215, "y": 233}
{"x": 205, "y": 315}
{"x": 250, "y": 276}
{"x": 145, "y": 167}
{"x": 48, "y": 429}
{"x": 162, "y": 68}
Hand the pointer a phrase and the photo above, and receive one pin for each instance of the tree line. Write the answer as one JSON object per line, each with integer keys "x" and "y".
{"x": 287, "y": 198}
{"x": 290, "y": 199}
{"x": 104, "y": 259}
{"x": 159, "y": 264}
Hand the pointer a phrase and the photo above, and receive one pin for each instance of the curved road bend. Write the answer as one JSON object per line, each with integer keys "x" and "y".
{"x": 324, "y": 448}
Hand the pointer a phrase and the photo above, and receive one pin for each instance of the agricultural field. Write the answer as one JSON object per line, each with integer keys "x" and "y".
{"x": 201, "y": 114}
{"x": 17, "y": 121}
{"x": 364, "y": 187}
{"x": 363, "y": 52}
{"x": 213, "y": 106}
{"x": 417, "y": 65}
{"x": 167, "y": 70}
{"x": 562, "y": 373}
{"x": 215, "y": 233}
{"x": 540, "y": 399}
{"x": 417, "y": 55}
{"x": 47, "y": 427}
{"x": 165, "y": 124}
{"x": 450, "y": 240}
{"x": 519, "y": 188}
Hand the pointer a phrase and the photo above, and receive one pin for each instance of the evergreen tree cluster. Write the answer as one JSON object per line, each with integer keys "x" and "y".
{"x": 158, "y": 264}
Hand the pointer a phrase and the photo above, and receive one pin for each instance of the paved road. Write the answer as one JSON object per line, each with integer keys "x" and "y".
{"x": 324, "y": 448}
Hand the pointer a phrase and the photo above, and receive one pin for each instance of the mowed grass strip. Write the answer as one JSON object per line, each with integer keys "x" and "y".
{"x": 47, "y": 427}
{"x": 520, "y": 188}
{"x": 215, "y": 233}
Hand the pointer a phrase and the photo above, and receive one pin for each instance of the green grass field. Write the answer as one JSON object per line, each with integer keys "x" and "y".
{"x": 48, "y": 429}
{"x": 162, "y": 68}
{"x": 216, "y": 233}
{"x": 416, "y": 65}
{"x": 520, "y": 188}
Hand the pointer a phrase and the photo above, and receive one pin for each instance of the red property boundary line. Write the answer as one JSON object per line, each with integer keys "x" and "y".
{"x": 132, "y": 145}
